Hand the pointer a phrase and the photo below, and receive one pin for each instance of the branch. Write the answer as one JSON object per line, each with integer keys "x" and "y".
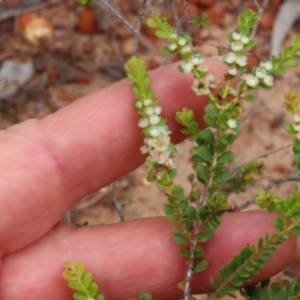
{"x": 260, "y": 11}
{"x": 291, "y": 177}
{"x": 141, "y": 17}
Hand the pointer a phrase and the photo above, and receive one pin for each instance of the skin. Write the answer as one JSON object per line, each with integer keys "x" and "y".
{"x": 47, "y": 165}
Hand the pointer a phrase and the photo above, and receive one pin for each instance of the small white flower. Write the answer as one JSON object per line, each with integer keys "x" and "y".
{"x": 236, "y": 36}
{"x": 260, "y": 73}
{"x": 154, "y": 119}
{"x": 187, "y": 67}
{"x": 186, "y": 49}
{"x": 241, "y": 60}
{"x": 162, "y": 157}
{"x": 157, "y": 109}
{"x": 143, "y": 123}
{"x": 229, "y": 58}
{"x": 197, "y": 59}
{"x": 296, "y": 128}
{"x": 232, "y": 123}
{"x": 139, "y": 104}
{"x": 233, "y": 71}
{"x": 211, "y": 81}
{"x": 147, "y": 102}
{"x": 160, "y": 143}
{"x": 201, "y": 91}
{"x": 182, "y": 42}
{"x": 173, "y": 36}
{"x": 268, "y": 80}
{"x": 267, "y": 65}
{"x": 245, "y": 40}
{"x": 149, "y": 110}
{"x": 237, "y": 46}
{"x": 251, "y": 80}
{"x": 154, "y": 131}
{"x": 172, "y": 47}
{"x": 297, "y": 118}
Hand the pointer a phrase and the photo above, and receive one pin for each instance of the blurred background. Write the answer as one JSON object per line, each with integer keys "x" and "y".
{"x": 52, "y": 52}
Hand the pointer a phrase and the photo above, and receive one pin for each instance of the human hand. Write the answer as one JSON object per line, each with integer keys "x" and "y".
{"x": 48, "y": 165}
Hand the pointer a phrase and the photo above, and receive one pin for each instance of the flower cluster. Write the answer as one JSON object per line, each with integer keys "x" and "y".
{"x": 157, "y": 142}
{"x": 260, "y": 76}
{"x": 180, "y": 44}
{"x": 237, "y": 61}
{"x": 296, "y": 126}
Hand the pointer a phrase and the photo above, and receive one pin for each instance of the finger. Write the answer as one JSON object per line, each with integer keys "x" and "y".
{"x": 132, "y": 257}
{"x": 48, "y": 165}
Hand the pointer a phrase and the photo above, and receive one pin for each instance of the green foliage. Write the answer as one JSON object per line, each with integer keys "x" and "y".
{"x": 284, "y": 290}
{"x": 196, "y": 215}
{"x": 81, "y": 282}
{"x": 246, "y": 21}
{"x": 201, "y": 20}
{"x": 163, "y": 29}
{"x": 142, "y": 296}
{"x": 136, "y": 71}
{"x": 84, "y": 2}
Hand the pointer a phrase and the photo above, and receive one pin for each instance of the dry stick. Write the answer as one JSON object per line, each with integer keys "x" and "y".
{"x": 154, "y": 8}
{"x": 141, "y": 17}
{"x": 114, "y": 199}
{"x": 16, "y": 12}
{"x": 291, "y": 177}
{"x": 127, "y": 24}
{"x": 260, "y": 10}
{"x": 173, "y": 7}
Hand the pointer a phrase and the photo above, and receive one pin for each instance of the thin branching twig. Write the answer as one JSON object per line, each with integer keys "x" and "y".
{"x": 290, "y": 177}
{"x": 141, "y": 17}
{"x": 260, "y": 11}
{"x": 114, "y": 199}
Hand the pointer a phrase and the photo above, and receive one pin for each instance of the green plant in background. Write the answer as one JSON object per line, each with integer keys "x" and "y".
{"x": 197, "y": 214}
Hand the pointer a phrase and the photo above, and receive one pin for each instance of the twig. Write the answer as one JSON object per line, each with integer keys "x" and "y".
{"x": 154, "y": 7}
{"x": 263, "y": 156}
{"x": 260, "y": 11}
{"x": 119, "y": 207}
{"x": 291, "y": 177}
{"x": 173, "y": 8}
{"x": 141, "y": 17}
{"x": 8, "y": 14}
{"x": 127, "y": 24}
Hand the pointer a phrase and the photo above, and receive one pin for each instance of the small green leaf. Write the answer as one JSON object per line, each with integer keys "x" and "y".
{"x": 179, "y": 239}
{"x": 171, "y": 218}
{"x": 290, "y": 129}
{"x": 87, "y": 279}
{"x": 80, "y": 296}
{"x": 202, "y": 173}
{"x": 291, "y": 62}
{"x": 221, "y": 177}
{"x": 226, "y": 157}
{"x": 205, "y": 154}
{"x": 191, "y": 212}
{"x": 185, "y": 252}
{"x": 168, "y": 209}
{"x": 200, "y": 266}
{"x": 210, "y": 121}
{"x": 296, "y": 230}
{"x": 250, "y": 98}
{"x": 237, "y": 281}
{"x": 93, "y": 289}
{"x": 279, "y": 71}
{"x": 79, "y": 268}
{"x": 208, "y": 136}
{"x": 76, "y": 286}
{"x": 279, "y": 224}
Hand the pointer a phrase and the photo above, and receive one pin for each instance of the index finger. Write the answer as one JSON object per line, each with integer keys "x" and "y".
{"x": 50, "y": 164}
